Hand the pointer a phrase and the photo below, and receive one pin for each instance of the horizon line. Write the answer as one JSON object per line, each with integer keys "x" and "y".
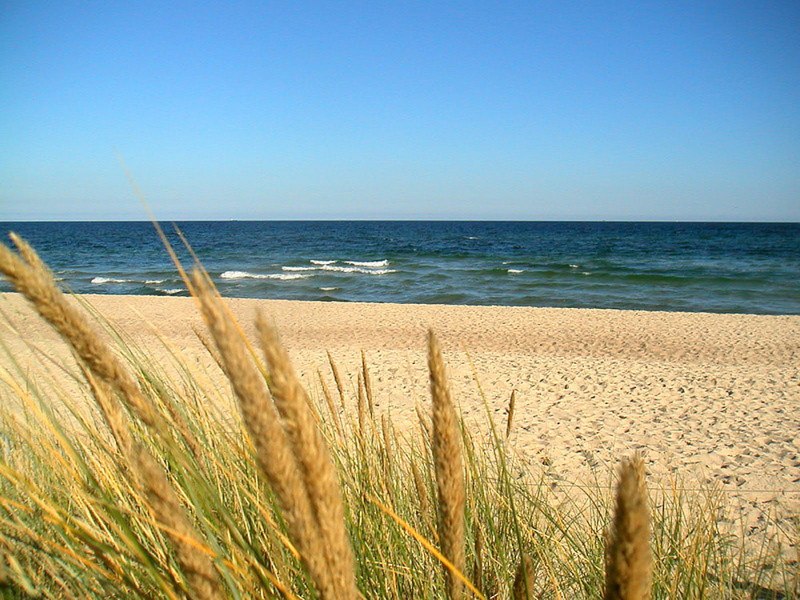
{"x": 396, "y": 220}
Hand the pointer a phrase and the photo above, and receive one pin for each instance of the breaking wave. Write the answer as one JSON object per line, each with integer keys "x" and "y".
{"x": 368, "y": 263}
{"x": 246, "y": 275}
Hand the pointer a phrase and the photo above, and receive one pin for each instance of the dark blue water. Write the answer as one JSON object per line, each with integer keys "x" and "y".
{"x": 714, "y": 267}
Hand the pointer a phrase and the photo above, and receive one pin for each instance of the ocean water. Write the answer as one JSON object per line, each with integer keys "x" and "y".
{"x": 709, "y": 267}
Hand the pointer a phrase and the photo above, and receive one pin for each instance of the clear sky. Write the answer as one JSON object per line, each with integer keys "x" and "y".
{"x": 456, "y": 110}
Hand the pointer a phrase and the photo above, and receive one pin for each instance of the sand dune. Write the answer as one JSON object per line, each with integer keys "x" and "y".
{"x": 712, "y": 398}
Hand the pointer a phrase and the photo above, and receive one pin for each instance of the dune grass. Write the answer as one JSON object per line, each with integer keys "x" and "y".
{"x": 124, "y": 477}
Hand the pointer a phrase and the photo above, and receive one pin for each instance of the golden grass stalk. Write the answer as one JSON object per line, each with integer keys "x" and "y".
{"x": 362, "y": 407}
{"x": 274, "y": 453}
{"x": 326, "y": 393}
{"x": 448, "y": 468}
{"x": 422, "y": 491}
{"x": 628, "y": 561}
{"x": 338, "y": 379}
{"x": 368, "y": 386}
{"x": 511, "y": 405}
{"x": 313, "y": 457}
{"x": 524, "y": 581}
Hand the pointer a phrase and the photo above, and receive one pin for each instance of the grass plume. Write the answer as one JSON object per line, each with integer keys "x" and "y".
{"x": 628, "y": 560}
{"x": 273, "y": 449}
{"x": 316, "y": 467}
{"x": 449, "y": 469}
{"x": 524, "y": 580}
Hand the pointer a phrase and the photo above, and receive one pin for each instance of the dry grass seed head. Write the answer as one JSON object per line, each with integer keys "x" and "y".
{"x": 628, "y": 560}
{"x": 367, "y": 386}
{"x": 316, "y": 465}
{"x": 362, "y": 408}
{"x": 422, "y": 491}
{"x": 524, "y": 581}
{"x": 273, "y": 450}
{"x": 448, "y": 468}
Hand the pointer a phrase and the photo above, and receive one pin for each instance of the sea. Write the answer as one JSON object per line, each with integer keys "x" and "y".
{"x": 696, "y": 267}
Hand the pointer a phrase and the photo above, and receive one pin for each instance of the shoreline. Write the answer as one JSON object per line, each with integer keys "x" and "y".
{"x": 706, "y": 397}
{"x": 169, "y": 297}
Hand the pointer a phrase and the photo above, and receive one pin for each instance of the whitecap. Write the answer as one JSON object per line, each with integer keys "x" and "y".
{"x": 154, "y": 281}
{"x": 368, "y": 263}
{"x": 322, "y": 262}
{"x": 172, "y": 291}
{"x": 238, "y": 275}
{"x": 585, "y": 273}
{"x": 287, "y": 276}
{"x": 101, "y": 280}
{"x": 515, "y": 271}
{"x": 363, "y": 271}
{"x": 328, "y": 289}
{"x": 299, "y": 268}
{"x": 574, "y": 266}
{"x": 246, "y": 275}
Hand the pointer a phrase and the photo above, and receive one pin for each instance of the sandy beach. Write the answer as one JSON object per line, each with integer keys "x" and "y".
{"x": 710, "y": 398}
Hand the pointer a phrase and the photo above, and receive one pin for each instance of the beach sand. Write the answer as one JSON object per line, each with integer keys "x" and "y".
{"x": 709, "y": 398}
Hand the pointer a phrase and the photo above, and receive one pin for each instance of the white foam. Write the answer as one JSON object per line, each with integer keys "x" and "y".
{"x": 154, "y": 281}
{"x": 328, "y": 289}
{"x": 102, "y": 280}
{"x": 322, "y": 262}
{"x": 368, "y": 263}
{"x": 246, "y": 275}
{"x": 299, "y": 268}
{"x": 172, "y": 291}
{"x": 338, "y": 269}
{"x": 585, "y": 273}
{"x": 287, "y": 277}
{"x": 574, "y": 266}
{"x": 515, "y": 271}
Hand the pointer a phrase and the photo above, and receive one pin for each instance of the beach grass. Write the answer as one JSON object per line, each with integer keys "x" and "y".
{"x": 122, "y": 476}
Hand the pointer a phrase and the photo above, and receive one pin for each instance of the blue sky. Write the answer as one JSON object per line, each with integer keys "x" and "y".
{"x": 493, "y": 110}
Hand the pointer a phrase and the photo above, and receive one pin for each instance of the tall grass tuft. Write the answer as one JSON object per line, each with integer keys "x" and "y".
{"x": 142, "y": 472}
{"x": 32, "y": 278}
